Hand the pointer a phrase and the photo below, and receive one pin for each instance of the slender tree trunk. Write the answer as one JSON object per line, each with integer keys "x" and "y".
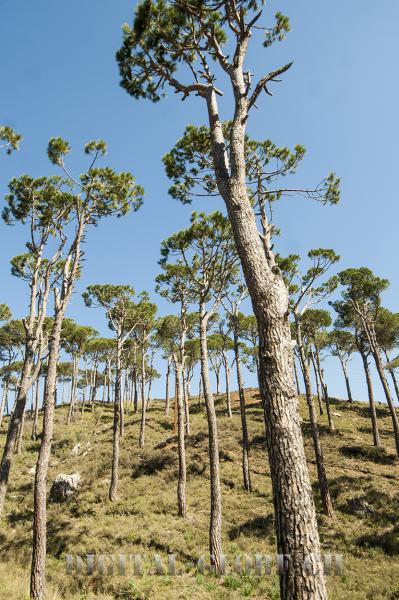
{"x": 318, "y": 450}
{"x": 136, "y": 394}
{"x": 227, "y": 375}
{"x": 215, "y": 527}
{"x": 181, "y": 486}
{"x": 370, "y": 390}
{"x": 392, "y": 374}
{"x": 121, "y": 402}
{"x": 3, "y": 401}
{"x": 37, "y": 588}
{"x": 318, "y": 385}
{"x": 199, "y": 391}
{"x": 331, "y": 425}
{"x": 348, "y": 387}
{"x": 14, "y": 425}
{"x": 388, "y": 396}
{"x": 244, "y": 428}
{"x": 18, "y": 447}
{"x": 298, "y": 389}
{"x": 143, "y": 402}
{"x": 167, "y": 389}
{"x": 186, "y": 406}
{"x": 73, "y": 390}
{"x": 217, "y": 375}
{"x": 116, "y": 427}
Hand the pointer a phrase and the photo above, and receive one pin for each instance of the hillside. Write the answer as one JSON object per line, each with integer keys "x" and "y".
{"x": 364, "y": 484}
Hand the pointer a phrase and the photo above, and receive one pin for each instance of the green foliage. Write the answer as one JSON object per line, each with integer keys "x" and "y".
{"x": 362, "y": 289}
{"x": 190, "y": 166}
{"x": 277, "y": 33}
{"x": 9, "y": 139}
{"x": 75, "y": 337}
{"x": 342, "y": 343}
{"x": 207, "y": 251}
{"x": 117, "y": 301}
{"x": 5, "y": 312}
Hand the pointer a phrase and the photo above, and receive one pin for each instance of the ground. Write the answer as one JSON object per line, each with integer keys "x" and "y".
{"x": 363, "y": 482}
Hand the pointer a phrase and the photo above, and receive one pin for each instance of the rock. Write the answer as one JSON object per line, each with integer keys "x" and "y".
{"x": 336, "y": 414}
{"x": 64, "y": 486}
{"x": 359, "y": 506}
{"x": 76, "y": 450}
{"x": 32, "y": 470}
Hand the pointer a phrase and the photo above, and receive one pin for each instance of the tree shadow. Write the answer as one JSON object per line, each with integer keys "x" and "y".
{"x": 257, "y": 527}
{"x": 376, "y": 454}
{"x": 387, "y": 541}
{"x": 154, "y": 463}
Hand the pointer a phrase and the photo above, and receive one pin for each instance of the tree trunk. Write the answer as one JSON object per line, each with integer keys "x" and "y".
{"x": 215, "y": 527}
{"x": 186, "y": 406}
{"x": 18, "y": 447}
{"x": 116, "y": 426}
{"x": 244, "y": 428}
{"x": 37, "y": 589}
{"x": 14, "y": 425}
{"x": 318, "y": 450}
{"x": 298, "y": 389}
{"x": 348, "y": 387}
{"x": 135, "y": 394}
{"x": 370, "y": 390}
{"x": 181, "y": 486}
{"x": 3, "y": 401}
{"x": 143, "y": 402}
{"x": 227, "y": 375}
{"x": 331, "y": 425}
{"x": 318, "y": 385}
{"x": 73, "y": 390}
{"x": 199, "y": 391}
{"x": 121, "y": 402}
{"x": 387, "y": 391}
{"x": 167, "y": 389}
{"x": 296, "y": 525}
{"x": 392, "y": 374}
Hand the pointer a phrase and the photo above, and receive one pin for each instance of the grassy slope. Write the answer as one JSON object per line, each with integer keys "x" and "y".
{"x": 144, "y": 518}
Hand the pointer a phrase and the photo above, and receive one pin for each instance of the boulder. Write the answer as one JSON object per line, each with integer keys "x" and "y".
{"x": 64, "y": 486}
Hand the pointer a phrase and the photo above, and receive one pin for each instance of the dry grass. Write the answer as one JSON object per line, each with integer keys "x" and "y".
{"x": 364, "y": 484}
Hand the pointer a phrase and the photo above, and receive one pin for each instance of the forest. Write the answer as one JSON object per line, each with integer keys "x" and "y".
{"x": 143, "y": 438}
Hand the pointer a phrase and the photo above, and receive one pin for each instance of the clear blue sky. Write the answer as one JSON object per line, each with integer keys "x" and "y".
{"x": 340, "y": 100}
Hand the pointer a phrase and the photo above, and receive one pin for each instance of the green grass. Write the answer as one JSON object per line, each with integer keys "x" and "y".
{"x": 144, "y": 520}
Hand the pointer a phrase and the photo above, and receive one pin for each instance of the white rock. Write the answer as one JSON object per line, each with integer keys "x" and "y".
{"x": 64, "y": 486}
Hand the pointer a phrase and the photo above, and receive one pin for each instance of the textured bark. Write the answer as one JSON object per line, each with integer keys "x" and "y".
{"x": 318, "y": 384}
{"x": 36, "y": 413}
{"x": 392, "y": 374}
{"x": 296, "y": 525}
{"x": 215, "y": 525}
{"x": 167, "y": 389}
{"x": 143, "y": 402}
{"x": 388, "y": 396}
{"x": 18, "y": 447}
{"x": 73, "y": 390}
{"x": 15, "y": 423}
{"x": 244, "y": 428}
{"x": 37, "y": 590}
{"x": 348, "y": 387}
{"x": 113, "y": 488}
{"x": 3, "y": 401}
{"x": 227, "y": 375}
{"x": 331, "y": 425}
{"x": 186, "y": 405}
{"x": 298, "y": 389}
{"x": 370, "y": 390}
{"x": 181, "y": 486}
{"x": 318, "y": 450}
